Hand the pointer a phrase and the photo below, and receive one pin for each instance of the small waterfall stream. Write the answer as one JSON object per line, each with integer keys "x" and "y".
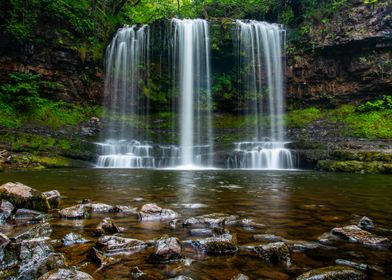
{"x": 260, "y": 46}
{"x": 191, "y": 52}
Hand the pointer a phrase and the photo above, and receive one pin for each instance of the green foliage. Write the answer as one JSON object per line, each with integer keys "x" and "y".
{"x": 301, "y": 118}
{"x": 376, "y": 105}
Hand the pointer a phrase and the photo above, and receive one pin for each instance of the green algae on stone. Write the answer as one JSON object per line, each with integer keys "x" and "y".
{"x": 22, "y": 196}
{"x": 332, "y": 273}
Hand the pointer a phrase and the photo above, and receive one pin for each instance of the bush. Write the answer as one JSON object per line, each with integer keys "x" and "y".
{"x": 379, "y": 104}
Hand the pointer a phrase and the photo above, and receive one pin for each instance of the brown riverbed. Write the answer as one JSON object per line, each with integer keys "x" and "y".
{"x": 294, "y": 205}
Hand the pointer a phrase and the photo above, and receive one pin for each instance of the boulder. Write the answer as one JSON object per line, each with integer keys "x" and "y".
{"x": 6, "y": 209}
{"x": 275, "y": 253}
{"x": 23, "y": 215}
{"x": 152, "y": 211}
{"x": 267, "y": 238}
{"x": 23, "y": 196}
{"x": 167, "y": 249}
{"x": 53, "y": 197}
{"x": 61, "y": 274}
{"x": 219, "y": 245}
{"x": 100, "y": 207}
{"x": 136, "y": 272}
{"x": 106, "y": 226}
{"x": 121, "y": 209}
{"x": 211, "y": 220}
{"x": 359, "y": 266}
{"x": 99, "y": 258}
{"x": 366, "y": 223}
{"x": 332, "y": 273}
{"x": 79, "y": 211}
{"x": 112, "y": 245}
{"x": 207, "y": 232}
{"x": 73, "y": 238}
{"x": 39, "y": 230}
{"x": 240, "y": 277}
{"x": 355, "y": 234}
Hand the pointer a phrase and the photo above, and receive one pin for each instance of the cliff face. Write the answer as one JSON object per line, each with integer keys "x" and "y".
{"x": 55, "y": 61}
{"x": 351, "y": 59}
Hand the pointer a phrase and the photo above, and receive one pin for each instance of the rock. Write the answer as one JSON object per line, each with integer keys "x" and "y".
{"x": 359, "y": 266}
{"x": 181, "y": 277}
{"x": 8, "y": 257}
{"x": 136, "y": 272}
{"x": 6, "y": 209}
{"x": 302, "y": 246}
{"x": 220, "y": 245}
{"x": 357, "y": 235}
{"x": 207, "y": 232}
{"x": 332, "y": 272}
{"x": 27, "y": 215}
{"x": 32, "y": 254}
{"x": 112, "y": 245}
{"x": 167, "y": 249}
{"x": 106, "y": 226}
{"x": 73, "y": 238}
{"x": 29, "y": 232}
{"x": 4, "y": 241}
{"x": 152, "y": 211}
{"x": 211, "y": 220}
{"x": 267, "y": 238}
{"x": 240, "y": 277}
{"x": 68, "y": 274}
{"x": 366, "y": 223}
{"x": 79, "y": 211}
{"x": 23, "y": 196}
{"x": 99, "y": 258}
{"x": 100, "y": 207}
{"x": 275, "y": 253}
{"x": 53, "y": 198}
{"x": 121, "y": 209}
{"x": 86, "y": 201}
{"x": 53, "y": 261}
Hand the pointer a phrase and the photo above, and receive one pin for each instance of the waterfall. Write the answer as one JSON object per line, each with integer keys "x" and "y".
{"x": 191, "y": 61}
{"x": 260, "y": 46}
{"x": 126, "y": 67}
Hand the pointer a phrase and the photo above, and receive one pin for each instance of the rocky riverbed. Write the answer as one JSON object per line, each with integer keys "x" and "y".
{"x": 40, "y": 239}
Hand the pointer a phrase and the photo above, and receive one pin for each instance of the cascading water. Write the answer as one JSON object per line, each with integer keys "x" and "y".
{"x": 260, "y": 47}
{"x": 191, "y": 48}
{"x": 128, "y": 51}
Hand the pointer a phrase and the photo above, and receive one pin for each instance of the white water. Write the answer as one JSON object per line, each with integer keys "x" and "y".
{"x": 123, "y": 72}
{"x": 191, "y": 48}
{"x": 260, "y": 46}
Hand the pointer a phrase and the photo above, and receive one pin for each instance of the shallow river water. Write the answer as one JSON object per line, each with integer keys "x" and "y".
{"x": 297, "y": 205}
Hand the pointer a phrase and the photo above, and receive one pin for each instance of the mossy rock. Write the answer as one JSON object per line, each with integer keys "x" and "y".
{"x": 333, "y": 273}
{"x": 22, "y": 196}
{"x": 354, "y": 166}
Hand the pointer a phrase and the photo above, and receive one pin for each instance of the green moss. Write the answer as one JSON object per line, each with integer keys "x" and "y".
{"x": 354, "y": 166}
{"x": 301, "y": 118}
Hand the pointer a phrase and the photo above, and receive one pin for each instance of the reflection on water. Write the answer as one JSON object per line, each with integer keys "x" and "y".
{"x": 295, "y": 205}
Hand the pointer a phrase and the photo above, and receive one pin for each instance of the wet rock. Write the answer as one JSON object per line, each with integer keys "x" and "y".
{"x": 302, "y": 246}
{"x": 4, "y": 240}
{"x": 8, "y": 257}
{"x": 167, "y": 249}
{"x": 6, "y": 209}
{"x": 53, "y": 261}
{"x": 366, "y": 223}
{"x": 29, "y": 232}
{"x": 99, "y": 258}
{"x": 240, "y": 277}
{"x": 61, "y": 274}
{"x": 210, "y": 220}
{"x": 121, "y": 209}
{"x": 79, "y": 211}
{"x": 220, "y": 245}
{"x": 359, "y": 266}
{"x": 106, "y": 226}
{"x": 136, "y": 273}
{"x": 176, "y": 223}
{"x": 120, "y": 245}
{"x": 208, "y": 232}
{"x": 53, "y": 197}
{"x": 193, "y": 205}
{"x": 27, "y": 215}
{"x": 355, "y": 234}
{"x": 86, "y": 201}
{"x": 275, "y": 253}
{"x": 152, "y": 211}
{"x": 332, "y": 272}
{"x": 181, "y": 277}
{"x": 249, "y": 224}
{"x": 267, "y": 238}
{"x": 32, "y": 254}
{"x": 73, "y": 238}
{"x": 100, "y": 207}
{"x": 23, "y": 196}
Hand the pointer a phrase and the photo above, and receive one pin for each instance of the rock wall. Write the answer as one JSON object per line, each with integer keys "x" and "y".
{"x": 351, "y": 59}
